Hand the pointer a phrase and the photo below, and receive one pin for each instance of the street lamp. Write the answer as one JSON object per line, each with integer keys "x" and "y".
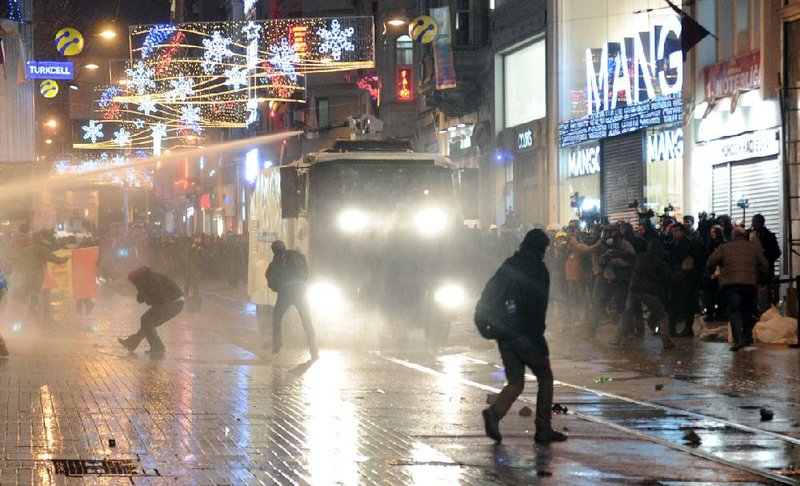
{"x": 91, "y": 65}
{"x": 51, "y": 123}
{"x": 107, "y": 34}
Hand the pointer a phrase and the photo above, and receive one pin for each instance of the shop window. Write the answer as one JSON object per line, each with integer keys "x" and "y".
{"x": 462, "y": 28}
{"x": 323, "y": 112}
{"x": 404, "y": 48}
{"x": 524, "y": 93}
{"x": 743, "y": 43}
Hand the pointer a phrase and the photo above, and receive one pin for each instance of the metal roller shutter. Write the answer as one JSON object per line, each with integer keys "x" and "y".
{"x": 622, "y": 175}
{"x": 758, "y": 182}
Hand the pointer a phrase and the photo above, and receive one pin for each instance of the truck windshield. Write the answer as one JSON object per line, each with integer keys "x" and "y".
{"x": 395, "y": 185}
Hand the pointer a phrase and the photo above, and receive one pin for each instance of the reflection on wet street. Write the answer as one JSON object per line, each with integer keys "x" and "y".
{"x": 222, "y": 409}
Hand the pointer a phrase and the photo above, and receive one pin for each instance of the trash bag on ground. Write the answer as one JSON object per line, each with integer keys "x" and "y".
{"x": 714, "y": 334}
{"x": 777, "y": 330}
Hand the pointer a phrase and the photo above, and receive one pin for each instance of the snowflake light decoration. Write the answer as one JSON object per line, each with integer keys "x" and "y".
{"x": 93, "y": 131}
{"x": 216, "y": 50}
{"x": 122, "y": 138}
{"x": 147, "y": 105}
{"x": 284, "y": 58}
{"x": 190, "y": 117}
{"x": 181, "y": 88}
{"x": 159, "y": 130}
{"x": 252, "y": 30}
{"x": 140, "y": 77}
{"x": 138, "y": 123}
{"x": 236, "y": 77}
{"x": 335, "y": 40}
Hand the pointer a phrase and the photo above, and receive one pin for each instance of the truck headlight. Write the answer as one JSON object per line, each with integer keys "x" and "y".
{"x": 353, "y": 221}
{"x": 430, "y": 221}
{"x": 450, "y": 296}
{"x": 325, "y": 295}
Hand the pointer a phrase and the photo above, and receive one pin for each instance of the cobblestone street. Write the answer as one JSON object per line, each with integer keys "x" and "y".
{"x": 221, "y": 409}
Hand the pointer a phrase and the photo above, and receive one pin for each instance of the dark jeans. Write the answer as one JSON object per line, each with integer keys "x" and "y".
{"x": 603, "y": 292}
{"x": 515, "y": 374}
{"x": 741, "y": 311}
{"x": 151, "y": 319}
{"x": 682, "y": 305}
{"x": 294, "y": 295}
{"x": 631, "y": 319}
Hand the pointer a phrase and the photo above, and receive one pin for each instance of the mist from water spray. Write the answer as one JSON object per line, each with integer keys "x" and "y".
{"x": 17, "y": 188}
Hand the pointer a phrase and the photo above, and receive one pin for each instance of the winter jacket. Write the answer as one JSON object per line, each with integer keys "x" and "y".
{"x": 651, "y": 274}
{"x": 32, "y": 263}
{"x": 740, "y": 263}
{"x": 522, "y": 284}
{"x": 769, "y": 244}
{"x": 154, "y": 288}
{"x": 288, "y": 268}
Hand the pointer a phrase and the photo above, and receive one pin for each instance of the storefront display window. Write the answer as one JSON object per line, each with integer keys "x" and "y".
{"x": 524, "y": 88}
{"x": 580, "y": 181}
{"x": 664, "y": 169}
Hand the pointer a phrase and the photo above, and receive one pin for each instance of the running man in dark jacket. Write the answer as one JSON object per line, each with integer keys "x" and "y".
{"x": 651, "y": 277}
{"x": 523, "y": 284}
{"x": 165, "y": 299}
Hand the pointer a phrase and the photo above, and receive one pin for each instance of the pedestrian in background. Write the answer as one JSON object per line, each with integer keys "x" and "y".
{"x": 28, "y": 276}
{"x": 3, "y": 292}
{"x": 287, "y": 275}
{"x": 166, "y": 301}
{"x": 766, "y": 240}
{"x": 522, "y": 284}
{"x": 740, "y": 263}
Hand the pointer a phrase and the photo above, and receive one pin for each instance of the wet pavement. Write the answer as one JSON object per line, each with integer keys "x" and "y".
{"x": 220, "y": 409}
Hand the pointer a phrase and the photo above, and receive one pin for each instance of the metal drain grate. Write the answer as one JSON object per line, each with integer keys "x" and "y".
{"x": 107, "y": 467}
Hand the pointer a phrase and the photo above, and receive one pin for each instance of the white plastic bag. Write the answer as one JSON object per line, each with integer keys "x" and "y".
{"x": 778, "y": 330}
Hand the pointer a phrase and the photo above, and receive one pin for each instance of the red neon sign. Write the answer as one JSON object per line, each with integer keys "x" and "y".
{"x": 404, "y": 76}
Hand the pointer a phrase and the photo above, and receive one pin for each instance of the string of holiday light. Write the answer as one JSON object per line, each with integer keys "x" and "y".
{"x": 93, "y": 167}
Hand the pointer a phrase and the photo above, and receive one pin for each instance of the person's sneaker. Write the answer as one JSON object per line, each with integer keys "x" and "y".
{"x": 736, "y": 347}
{"x": 126, "y": 345}
{"x": 156, "y": 353}
{"x": 491, "y": 425}
{"x": 3, "y": 349}
{"x": 548, "y": 435}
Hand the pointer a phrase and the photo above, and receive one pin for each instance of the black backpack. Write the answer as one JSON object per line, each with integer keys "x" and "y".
{"x": 493, "y": 309}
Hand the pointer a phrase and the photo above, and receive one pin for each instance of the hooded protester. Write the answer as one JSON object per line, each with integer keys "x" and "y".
{"x": 522, "y": 282}
{"x": 740, "y": 263}
{"x": 287, "y": 275}
{"x": 166, "y": 301}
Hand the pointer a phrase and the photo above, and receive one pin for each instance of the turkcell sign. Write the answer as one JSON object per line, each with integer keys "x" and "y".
{"x": 583, "y": 161}
{"x": 50, "y": 70}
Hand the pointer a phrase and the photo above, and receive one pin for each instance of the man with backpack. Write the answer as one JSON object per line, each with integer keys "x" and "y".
{"x": 512, "y": 311}
{"x": 287, "y": 275}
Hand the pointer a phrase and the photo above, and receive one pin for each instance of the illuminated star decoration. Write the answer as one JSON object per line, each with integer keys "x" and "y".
{"x": 93, "y": 131}
{"x": 284, "y": 58}
{"x": 121, "y": 137}
{"x": 216, "y": 50}
{"x": 181, "y": 88}
{"x": 138, "y": 123}
{"x": 140, "y": 77}
{"x": 335, "y": 40}
{"x": 236, "y": 77}
{"x": 252, "y": 30}
{"x": 190, "y": 117}
{"x": 147, "y": 105}
{"x": 157, "y": 36}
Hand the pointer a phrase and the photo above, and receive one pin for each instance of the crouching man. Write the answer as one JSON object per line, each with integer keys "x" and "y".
{"x": 521, "y": 286}
{"x": 165, "y": 299}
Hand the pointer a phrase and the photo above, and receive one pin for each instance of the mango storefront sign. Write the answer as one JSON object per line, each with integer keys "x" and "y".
{"x": 50, "y": 70}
